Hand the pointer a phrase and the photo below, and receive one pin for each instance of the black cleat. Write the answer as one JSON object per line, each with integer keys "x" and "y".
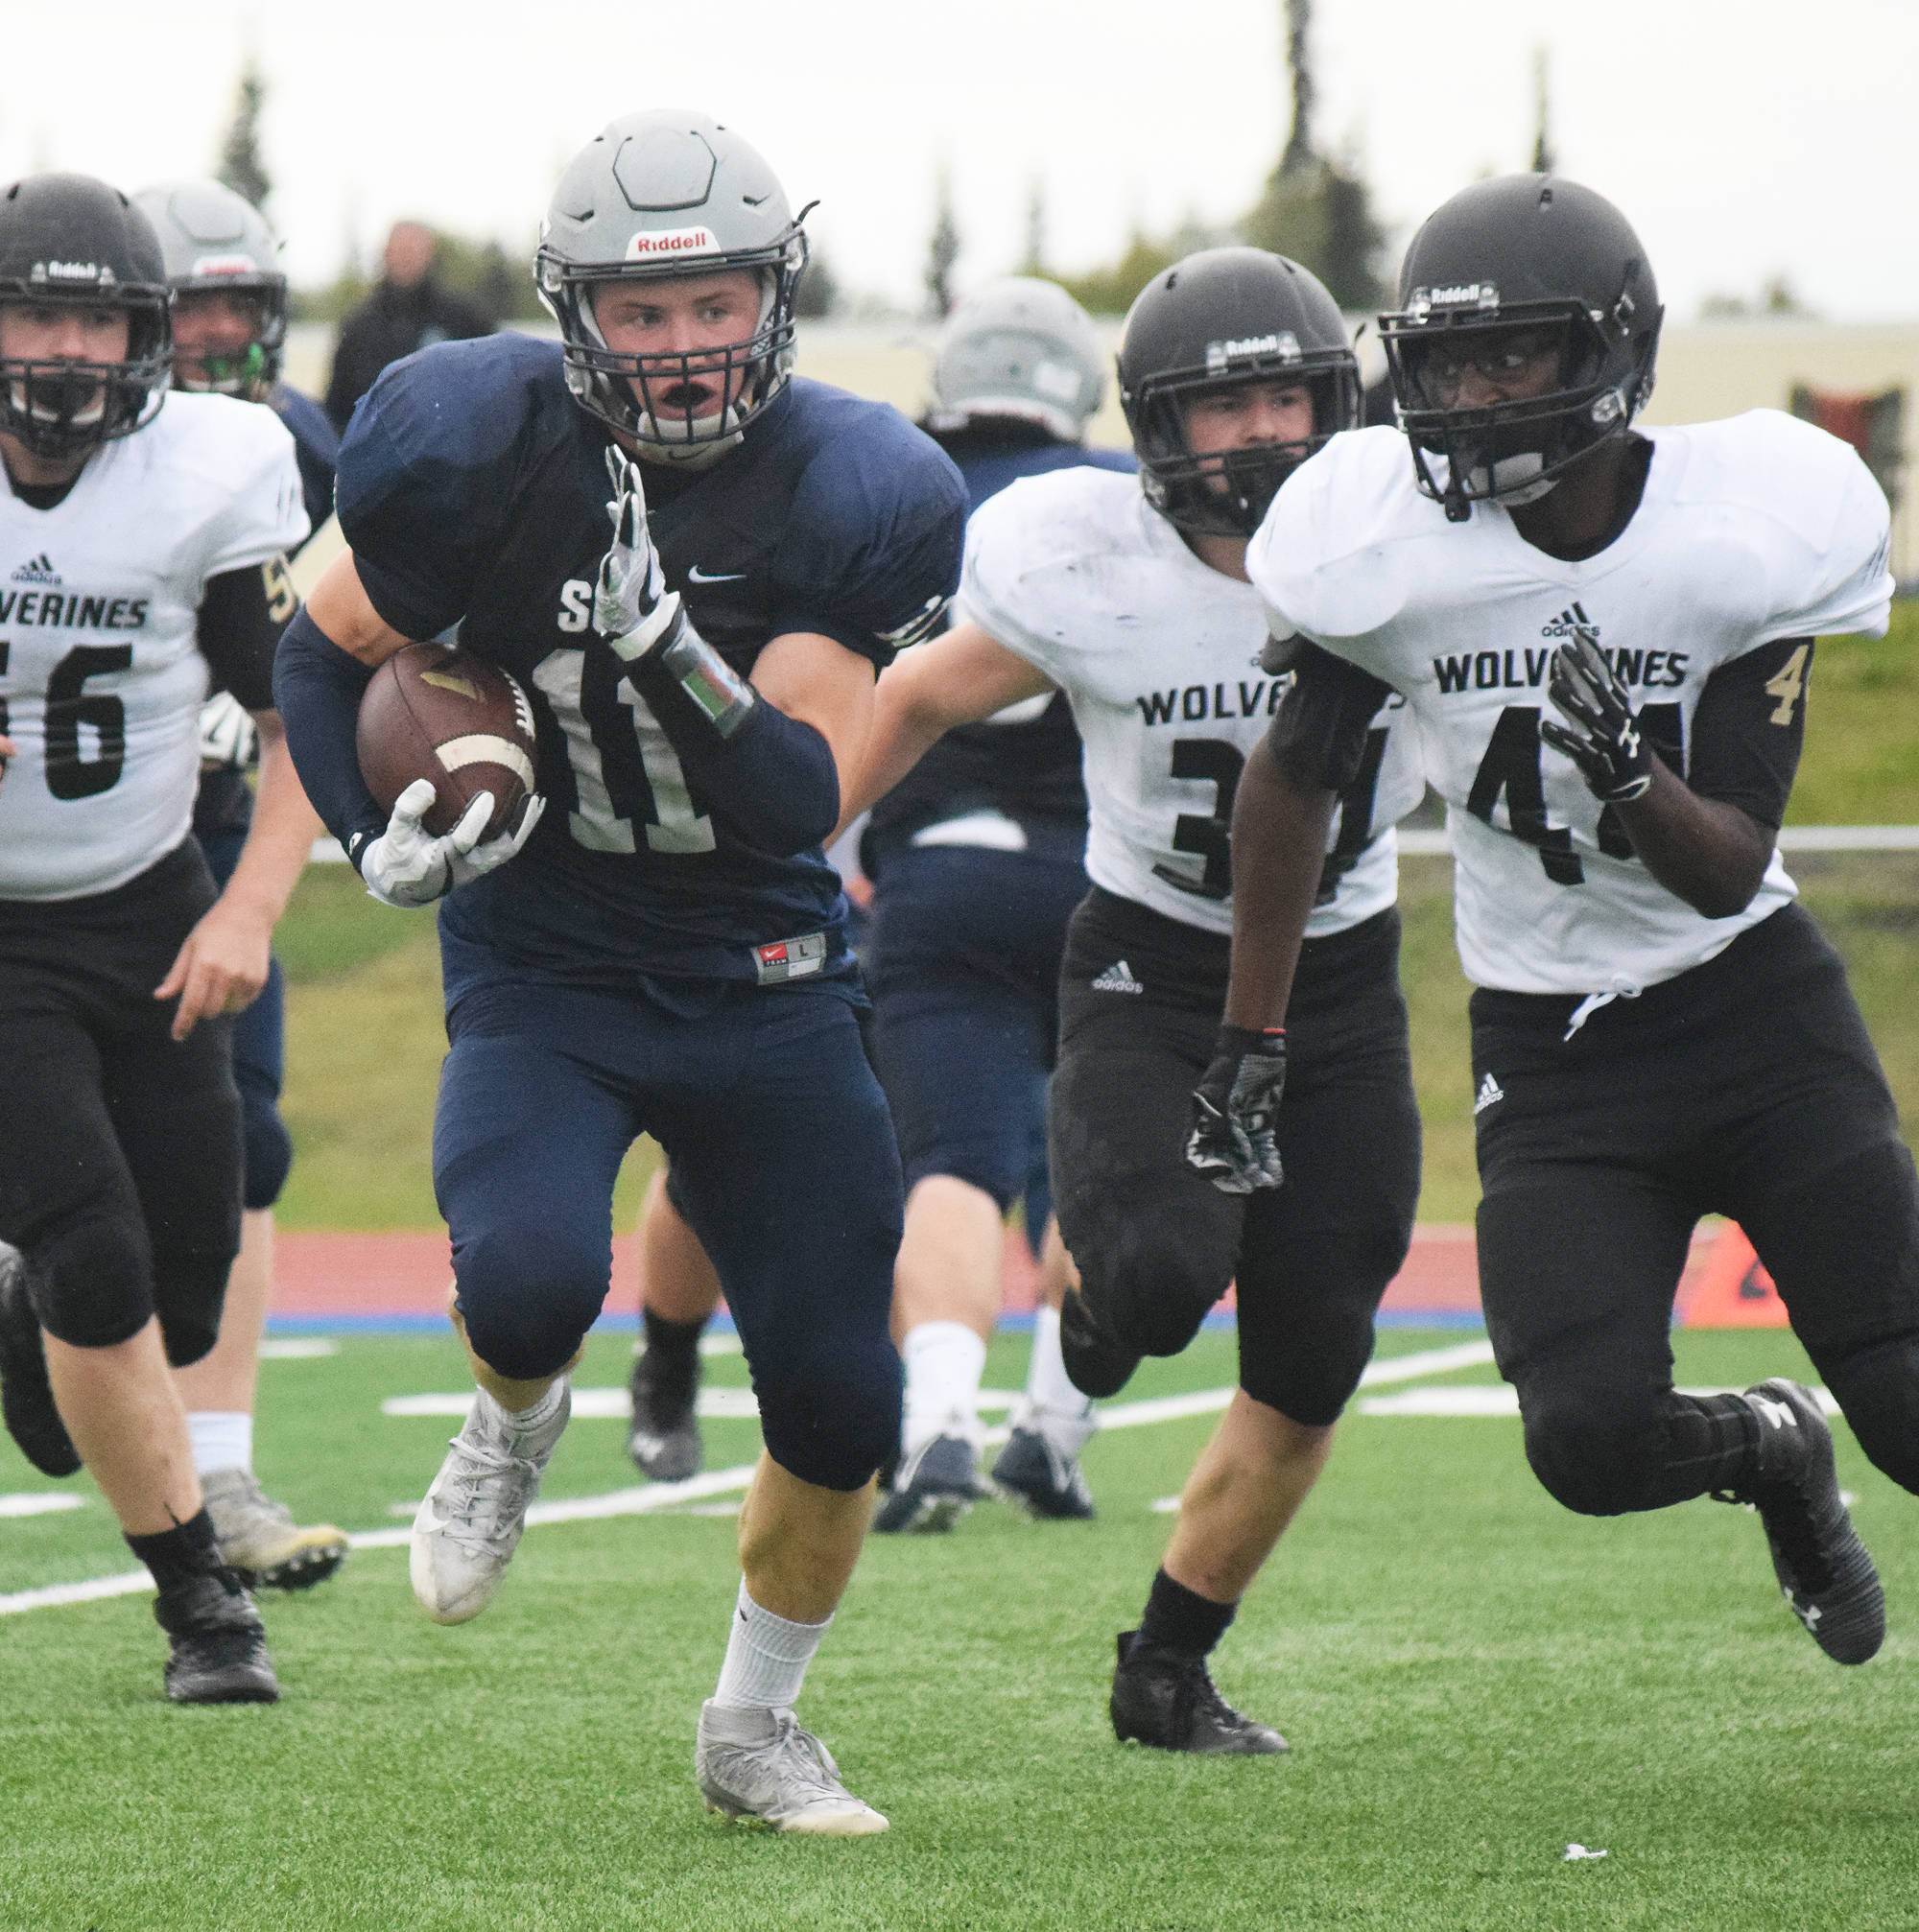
{"x": 1050, "y": 1485}
{"x": 26, "y": 1396}
{"x": 1097, "y": 1363}
{"x": 935, "y": 1489}
{"x": 219, "y": 1643}
{"x": 1165, "y": 1699}
{"x": 664, "y": 1441}
{"x": 1824, "y": 1570}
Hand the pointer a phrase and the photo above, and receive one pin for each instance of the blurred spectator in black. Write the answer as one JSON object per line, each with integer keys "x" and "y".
{"x": 407, "y": 310}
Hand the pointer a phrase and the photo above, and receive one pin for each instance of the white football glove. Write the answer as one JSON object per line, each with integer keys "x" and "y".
{"x": 407, "y": 865}
{"x": 632, "y": 608}
{"x": 227, "y": 733}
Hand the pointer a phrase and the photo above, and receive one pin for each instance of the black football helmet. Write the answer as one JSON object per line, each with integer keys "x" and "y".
{"x": 1217, "y": 318}
{"x": 64, "y": 240}
{"x": 1524, "y": 251}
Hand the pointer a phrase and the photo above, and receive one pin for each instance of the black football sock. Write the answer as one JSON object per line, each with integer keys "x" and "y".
{"x": 178, "y": 1555}
{"x": 1711, "y": 1443}
{"x": 675, "y": 1342}
{"x": 1181, "y": 1620}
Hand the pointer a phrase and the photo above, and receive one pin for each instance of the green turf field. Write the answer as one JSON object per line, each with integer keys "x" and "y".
{"x": 1471, "y": 1678}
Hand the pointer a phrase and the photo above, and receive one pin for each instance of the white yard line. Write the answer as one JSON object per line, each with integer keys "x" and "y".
{"x": 650, "y": 1498}
{"x": 39, "y": 1502}
{"x": 1497, "y": 1398}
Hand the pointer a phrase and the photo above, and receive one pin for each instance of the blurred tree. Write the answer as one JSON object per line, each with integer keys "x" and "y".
{"x": 818, "y": 287}
{"x": 240, "y": 167}
{"x": 1777, "y": 298}
{"x": 1544, "y": 160}
{"x": 1034, "y": 263}
{"x": 943, "y": 249}
{"x": 501, "y": 285}
{"x": 1317, "y": 211}
{"x": 1110, "y": 291}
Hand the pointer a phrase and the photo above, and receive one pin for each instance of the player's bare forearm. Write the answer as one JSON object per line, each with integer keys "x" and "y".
{"x": 1710, "y": 853}
{"x": 956, "y": 679}
{"x": 282, "y": 832}
{"x": 341, "y": 608}
{"x": 1279, "y": 848}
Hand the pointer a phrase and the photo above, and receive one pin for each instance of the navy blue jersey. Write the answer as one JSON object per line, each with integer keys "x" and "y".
{"x": 315, "y": 447}
{"x": 473, "y": 491}
{"x": 225, "y": 799}
{"x": 1027, "y": 771}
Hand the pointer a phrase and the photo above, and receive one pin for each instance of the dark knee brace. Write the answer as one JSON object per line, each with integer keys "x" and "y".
{"x": 90, "y": 1277}
{"x": 1878, "y": 1389}
{"x": 834, "y": 1418}
{"x": 268, "y": 1147}
{"x": 527, "y": 1296}
{"x": 1598, "y": 1449}
{"x": 1145, "y": 1284}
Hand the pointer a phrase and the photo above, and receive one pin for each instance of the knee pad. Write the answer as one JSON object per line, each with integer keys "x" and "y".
{"x": 1311, "y": 1376}
{"x": 831, "y": 1418}
{"x": 90, "y": 1277}
{"x": 1597, "y": 1450}
{"x": 267, "y": 1146}
{"x": 1878, "y": 1390}
{"x": 1152, "y": 1288}
{"x": 977, "y": 1161}
{"x": 189, "y": 1296}
{"x": 527, "y": 1294}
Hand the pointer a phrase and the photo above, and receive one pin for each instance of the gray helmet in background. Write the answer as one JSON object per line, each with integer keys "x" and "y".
{"x": 1020, "y": 347}
{"x": 215, "y": 240}
{"x": 670, "y": 193}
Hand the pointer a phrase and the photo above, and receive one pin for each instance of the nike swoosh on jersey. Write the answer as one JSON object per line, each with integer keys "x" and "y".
{"x": 697, "y": 576}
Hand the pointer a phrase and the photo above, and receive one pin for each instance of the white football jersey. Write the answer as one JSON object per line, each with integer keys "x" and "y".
{"x": 1749, "y": 530}
{"x": 101, "y": 676}
{"x": 1159, "y": 656}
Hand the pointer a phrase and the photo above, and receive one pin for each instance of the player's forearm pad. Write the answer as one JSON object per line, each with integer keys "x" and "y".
{"x": 1318, "y": 734}
{"x": 317, "y": 689}
{"x": 772, "y": 778}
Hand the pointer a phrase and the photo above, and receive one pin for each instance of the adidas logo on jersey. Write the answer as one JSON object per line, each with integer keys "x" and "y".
{"x": 1573, "y": 618}
{"x": 1490, "y": 1092}
{"x": 40, "y": 570}
{"x": 1118, "y": 977}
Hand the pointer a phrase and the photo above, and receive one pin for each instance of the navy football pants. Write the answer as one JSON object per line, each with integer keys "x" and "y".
{"x": 783, "y": 1162}
{"x": 964, "y": 968}
{"x": 259, "y": 1050}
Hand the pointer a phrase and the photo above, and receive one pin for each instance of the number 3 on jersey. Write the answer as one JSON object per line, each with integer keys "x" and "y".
{"x": 600, "y": 822}
{"x": 1210, "y": 837}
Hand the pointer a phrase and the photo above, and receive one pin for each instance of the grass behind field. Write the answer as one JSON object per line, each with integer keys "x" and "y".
{"x": 1471, "y": 1679}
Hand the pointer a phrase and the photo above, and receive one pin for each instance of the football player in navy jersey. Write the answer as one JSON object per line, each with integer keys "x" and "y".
{"x": 975, "y": 863}
{"x": 1605, "y": 636}
{"x": 229, "y": 336}
{"x": 664, "y": 950}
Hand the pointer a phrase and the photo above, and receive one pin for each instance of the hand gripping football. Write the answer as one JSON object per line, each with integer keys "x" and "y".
{"x": 443, "y": 714}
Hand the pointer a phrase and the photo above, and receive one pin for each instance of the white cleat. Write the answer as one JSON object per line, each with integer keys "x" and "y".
{"x": 469, "y": 1525}
{"x": 758, "y": 1765}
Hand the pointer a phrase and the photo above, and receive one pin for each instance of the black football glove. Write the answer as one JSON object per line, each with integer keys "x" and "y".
{"x": 1234, "y": 1142}
{"x": 1602, "y": 733}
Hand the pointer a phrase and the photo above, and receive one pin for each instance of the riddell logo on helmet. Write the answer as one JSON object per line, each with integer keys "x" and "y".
{"x": 1484, "y": 296}
{"x": 1285, "y": 345}
{"x": 653, "y": 244}
{"x": 71, "y": 272}
{"x": 224, "y": 264}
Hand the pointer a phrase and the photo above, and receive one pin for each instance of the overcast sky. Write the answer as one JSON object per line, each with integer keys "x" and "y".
{"x": 1744, "y": 137}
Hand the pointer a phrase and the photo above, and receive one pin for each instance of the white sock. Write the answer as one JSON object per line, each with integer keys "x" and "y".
{"x": 766, "y": 1658}
{"x": 944, "y": 1362}
{"x": 222, "y": 1439}
{"x": 520, "y": 1421}
{"x": 1054, "y": 1406}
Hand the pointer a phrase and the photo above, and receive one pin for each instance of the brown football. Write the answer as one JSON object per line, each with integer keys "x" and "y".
{"x": 436, "y": 713}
